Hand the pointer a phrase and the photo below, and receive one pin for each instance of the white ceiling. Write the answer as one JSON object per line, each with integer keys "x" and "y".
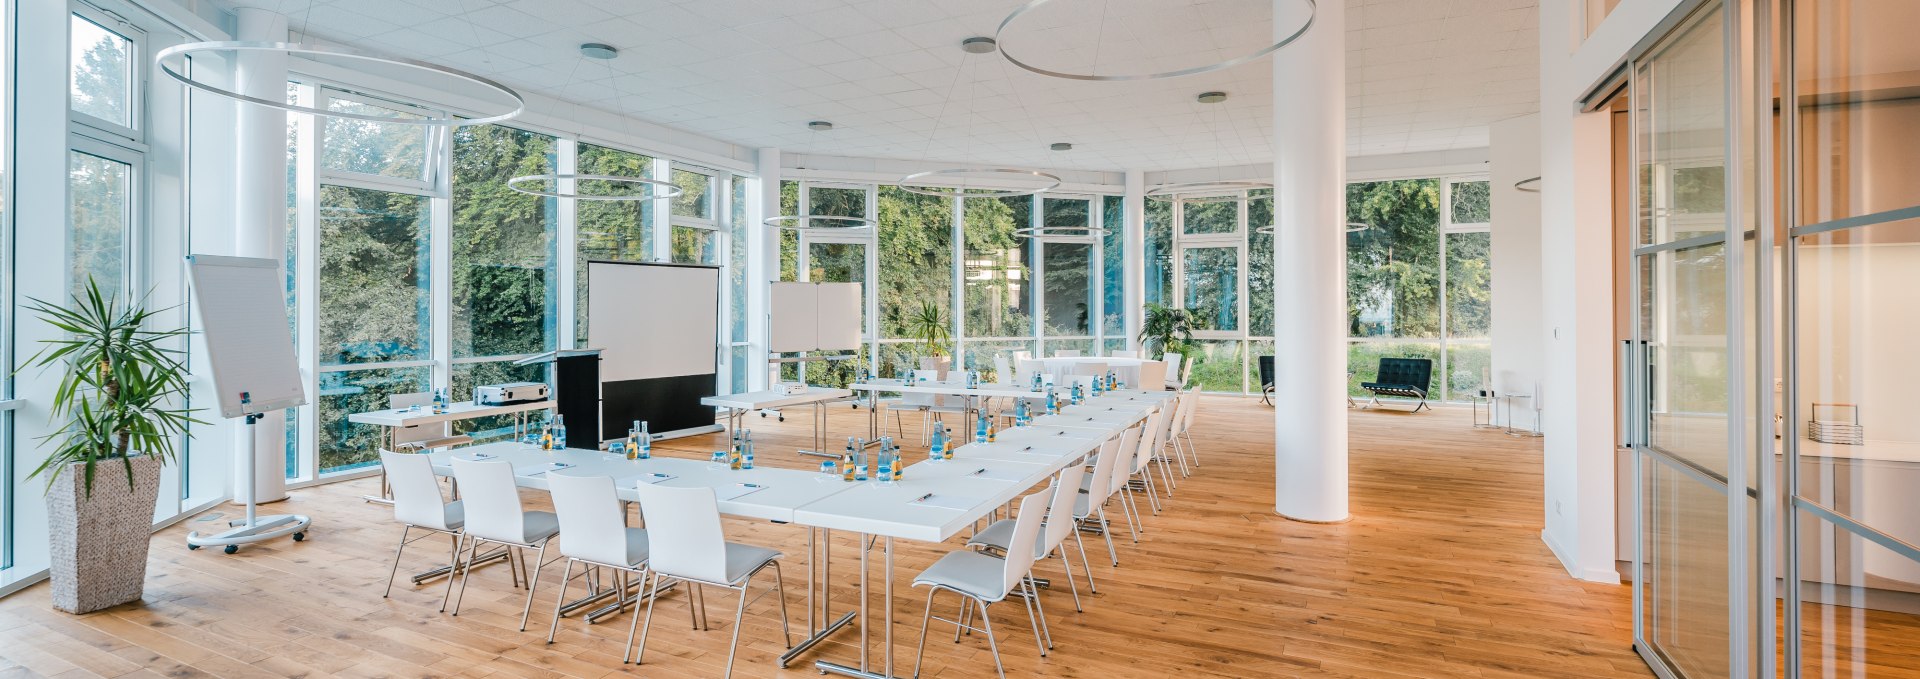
{"x": 1423, "y": 75}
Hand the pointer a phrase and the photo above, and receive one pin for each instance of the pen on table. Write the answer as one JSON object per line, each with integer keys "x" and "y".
{"x": 922, "y": 498}
{"x": 978, "y": 472}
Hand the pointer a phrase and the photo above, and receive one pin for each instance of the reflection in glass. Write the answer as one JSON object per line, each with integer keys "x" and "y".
{"x": 1686, "y": 335}
{"x": 1212, "y": 286}
{"x": 1684, "y": 579}
{"x": 345, "y": 445}
{"x": 99, "y": 214}
{"x": 100, "y": 80}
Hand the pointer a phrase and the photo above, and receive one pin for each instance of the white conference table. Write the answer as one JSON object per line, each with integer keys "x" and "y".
{"x": 973, "y": 395}
{"x": 738, "y": 405}
{"x": 1127, "y": 368}
{"x": 932, "y": 502}
{"x": 392, "y": 420}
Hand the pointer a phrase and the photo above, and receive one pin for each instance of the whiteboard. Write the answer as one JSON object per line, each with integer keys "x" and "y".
{"x": 814, "y": 316}
{"x": 243, "y": 319}
{"x": 653, "y": 320}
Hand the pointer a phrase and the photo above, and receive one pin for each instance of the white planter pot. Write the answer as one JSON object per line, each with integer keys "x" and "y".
{"x": 99, "y": 543}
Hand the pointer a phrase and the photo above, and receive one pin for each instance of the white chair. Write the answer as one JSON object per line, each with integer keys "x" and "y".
{"x": 1173, "y": 371}
{"x": 1123, "y": 470}
{"x": 1002, "y": 372}
{"x": 595, "y": 523}
{"x": 929, "y": 405}
{"x": 1171, "y": 442}
{"x": 983, "y": 579}
{"x": 1090, "y": 508}
{"x": 417, "y": 503}
{"x": 1088, "y": 368}
{"x": 494, "y": 515}
{"x": 1053, "y": 534}
{"x": 1153, "y": 374}
{"x": 1189, "y": 405}
{"x": 687, "y": 543}
{"x": 1124, "y": 353}
{"x": 1066, "y": 353}
{"x": 1029, "y": 367}
{"x": 1143, "y": 457}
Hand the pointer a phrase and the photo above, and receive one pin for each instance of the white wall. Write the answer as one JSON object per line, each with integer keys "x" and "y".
{"x": 1517, "y": 323}
{"x": 1576, "y": 283}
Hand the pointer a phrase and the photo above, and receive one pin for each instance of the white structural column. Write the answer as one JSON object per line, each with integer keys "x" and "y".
{"x": 260, "y": 210}
{"x": 763, "y": 263}
{"x": 1133, "y": 261}
{"x": 1310, "y": 214}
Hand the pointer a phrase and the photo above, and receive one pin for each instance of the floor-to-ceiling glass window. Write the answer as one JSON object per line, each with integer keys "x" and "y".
{"x": 1113, "y": 276}
{"x": 838, "y": 255}
{"x": 1069, "y": 292}
{"x": 915, "y": 247}
{"x": 998, "y": 292}
{"x": 738, "y": 371}
{"x": 505, "y": 273}
{"x": 1853, "y": 527}
{"x": 695, "y": 226}
{"x": 374, "y": 330}
{"x": 1688, "y": 614}
{"x": 1210, "y": 266}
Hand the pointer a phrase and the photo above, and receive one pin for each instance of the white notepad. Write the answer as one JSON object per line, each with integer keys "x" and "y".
{"x": 541, "y": 468}
{"x": 734, "y": 491}
{"x": 637, "y": 479}
{"x": 474, "y": 457}
{"x": 948, "y": 501}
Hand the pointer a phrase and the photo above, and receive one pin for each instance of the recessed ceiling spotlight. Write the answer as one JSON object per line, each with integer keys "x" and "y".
{"x": 597, "y": 50}
{"x": 1061, "y": 146}
{"x": 979, "y": 45}
{"x": 819, "y": 126}
{"x": 1212, "y": 97}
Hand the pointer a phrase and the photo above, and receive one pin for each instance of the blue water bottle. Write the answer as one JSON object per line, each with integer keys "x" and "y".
{"x": 559, "y": 432}
{"x": 1053, "y": 403}
{"x": 937, "y": 448}
{"x": 746, "y": 458}
{"x": 980, "y": 429}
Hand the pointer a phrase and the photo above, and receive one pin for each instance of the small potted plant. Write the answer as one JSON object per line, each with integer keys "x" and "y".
{"x": 1165, "y": 329}
{"x": 929, "y": 327}
{"x": 117, "y": 397}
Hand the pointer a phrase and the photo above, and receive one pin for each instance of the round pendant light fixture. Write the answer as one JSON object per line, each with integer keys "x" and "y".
{"x": 819, "y": 223}
{"x": 642, "y": 189}
{"x": 953, "y": 182}
{"x": 999, "y": 36}
{"x": 1350, "y": 229}
{"x": 169, "y": 60}
{"x": 1206, "y": 192}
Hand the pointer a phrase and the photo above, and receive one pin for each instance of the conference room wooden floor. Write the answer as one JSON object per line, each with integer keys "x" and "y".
{"x": 1440, "y": 573}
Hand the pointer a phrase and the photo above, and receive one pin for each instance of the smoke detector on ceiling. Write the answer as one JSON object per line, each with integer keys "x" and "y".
{"x": 819, "y": 126}
{"x": 979, "y": 45}
{"x": 1211, "y": 97}
{"x": 596, "y": 50}
{"x": 1061, "y": 146}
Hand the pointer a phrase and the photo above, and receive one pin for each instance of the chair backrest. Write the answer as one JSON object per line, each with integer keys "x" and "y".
{"x": 1026, "y": 529}
{"x": 1186, "y": 371}
{"x": 1173, "y": 368}
{"x": 916, "y": 399}
{"x": 1003, "y": 374}
{"x": 1066, "y": 353}
{"x": 1123, "y": 456}
{"x": 591, "y": 517}
{"x": 1088, "y": 368}
{"x": 416, "y": 495}
{"x": 1153, "y": 374}
{"x": 1150, "y": 437}
{"x": 1109, "y": 457}
{"x": 1189, "y": 402}
{"x": 491, "y": 499}
{"x": 1028, "y": 367}
{"x": 684, "y": 537}
{"x": 418, "y": 432}
{"x": 1413, "y": 372}
{"x": 1124, "y": 353}
{"x": 1266, "y": 371}
{"x": 1066, "y": 488}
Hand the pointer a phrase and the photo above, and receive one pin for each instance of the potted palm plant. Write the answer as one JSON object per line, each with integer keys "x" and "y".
{"x": 1165, "y": 329}
{"x": 929, "y": 327}
{"x": 118, "y": 393}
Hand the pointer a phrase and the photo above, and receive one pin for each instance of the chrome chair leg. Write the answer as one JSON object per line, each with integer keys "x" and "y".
{"x": 986, "y": 625}
{"x": 566, "y": 576}
{"x": 533, "y": 584}
{"x": 653, "y": 596}
{"x": 404, "y": 530}
{"x": 465, "y": 575}
{"x": 1085, "y": 563}
{"x": 1068, "y": 567}
{"x": 920, "y": 652}
{"x": 780, "y": 585}
{"x": 1028, "y": 599}
{"x": 1106, "y": 532}
{"x": 739, "y": 614}
{"x": 452, "y": 567}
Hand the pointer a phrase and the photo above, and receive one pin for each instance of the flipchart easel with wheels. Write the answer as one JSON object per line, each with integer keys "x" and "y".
{"x": 243, "y": 320}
